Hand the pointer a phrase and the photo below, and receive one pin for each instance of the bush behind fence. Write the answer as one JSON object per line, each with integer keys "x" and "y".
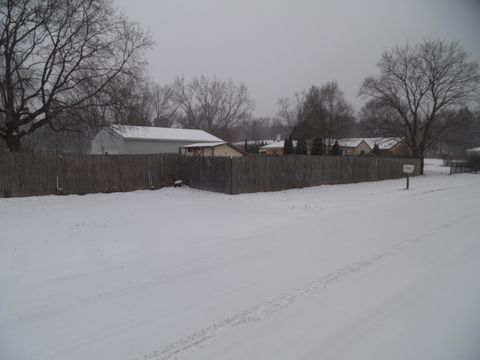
{"x": 26, "y": 174}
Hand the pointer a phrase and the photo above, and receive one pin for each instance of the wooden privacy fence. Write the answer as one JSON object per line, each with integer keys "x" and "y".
{"x": 26, "y": 174}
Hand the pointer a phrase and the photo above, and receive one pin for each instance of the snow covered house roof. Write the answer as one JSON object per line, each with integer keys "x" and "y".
{"x": 277, "y": 145}
{"x": 159, "y": 133}
{"x": 383, "y": 143}
{"x": 253, "y": 142}
{"x": 349, "y": 142}
{"x": 474, "y": 150}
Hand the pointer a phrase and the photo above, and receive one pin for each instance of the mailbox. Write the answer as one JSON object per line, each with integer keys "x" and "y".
{"x": 408, "y": 169}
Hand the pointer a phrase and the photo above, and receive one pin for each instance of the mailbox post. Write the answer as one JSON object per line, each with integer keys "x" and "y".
{"x": 408, "y": 170}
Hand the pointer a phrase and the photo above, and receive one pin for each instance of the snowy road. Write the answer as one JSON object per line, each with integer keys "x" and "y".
{"x": 361, "y": 271}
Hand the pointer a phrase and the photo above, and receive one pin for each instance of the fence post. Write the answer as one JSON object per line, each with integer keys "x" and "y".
{"x": 231, "y": 175}
{"x": 163, "y": 169}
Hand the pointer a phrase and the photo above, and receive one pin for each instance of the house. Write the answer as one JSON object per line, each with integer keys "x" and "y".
{"x": 389, "y": 146}
{"x": 221, "y": 148}
{"x": 353, "y": 146}
{"x": 392, "y": 146}
{"x": 252, "y": 146}
{"x": 125, "y": 139}
{"x": 275, "y": 148}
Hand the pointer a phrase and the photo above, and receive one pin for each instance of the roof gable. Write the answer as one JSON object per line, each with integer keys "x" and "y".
{"x": 383, "y": 143}
{"x": 350, "y": 142}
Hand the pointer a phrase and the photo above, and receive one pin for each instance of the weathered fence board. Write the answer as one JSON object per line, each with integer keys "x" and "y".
{"x": 25, "y": 174}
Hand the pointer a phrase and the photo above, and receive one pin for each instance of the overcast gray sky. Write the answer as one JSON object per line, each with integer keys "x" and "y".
{"x": 277, "y": 47}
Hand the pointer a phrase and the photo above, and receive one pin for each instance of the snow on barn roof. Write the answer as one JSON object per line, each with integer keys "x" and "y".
{"x": 158, "y": 133}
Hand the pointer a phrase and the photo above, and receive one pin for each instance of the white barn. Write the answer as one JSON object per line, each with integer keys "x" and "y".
{"x": 125, "y": 139}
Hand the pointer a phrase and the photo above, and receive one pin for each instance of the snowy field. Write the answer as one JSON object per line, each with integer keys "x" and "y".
{"x": 361, "y": 271}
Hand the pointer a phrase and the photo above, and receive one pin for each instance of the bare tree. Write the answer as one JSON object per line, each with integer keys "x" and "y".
{"x": 261, "y": 128}
{"x": 340, "y": 119}
{"x": 56, "y": 57}
{"x": 311, "y": 118}
{"x": 289, "y": 110}
{"x": 212, "y": 105}
{"x": 379, "y": 120}
{"x": 163, "y": 106}
{"x": 321, "y": 112}
{"x": 127, "y": 101}
{"x": 453, "y": 144}
{"x": 422, "y": 83}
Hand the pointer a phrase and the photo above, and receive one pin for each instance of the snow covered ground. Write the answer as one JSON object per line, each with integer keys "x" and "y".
{"x": 361, "y": 271}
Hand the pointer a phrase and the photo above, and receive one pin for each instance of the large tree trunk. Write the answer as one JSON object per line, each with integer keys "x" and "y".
{"x": 418, "y": 153}
{"x": 13, "y": 143}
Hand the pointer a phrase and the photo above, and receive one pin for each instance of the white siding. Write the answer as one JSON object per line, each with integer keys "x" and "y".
{"x": 152, "y": 146}
{"x": 107, "y": 141}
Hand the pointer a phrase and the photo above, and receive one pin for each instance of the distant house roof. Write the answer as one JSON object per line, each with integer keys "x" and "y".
{"x": 474, "y": 150}
{"x": 277, "y": 145}
{"x": 383, "y": 143}
{"x": 158, "y": 133}
{"x": 349, "y": 142}
{"x": 253, "y": 142}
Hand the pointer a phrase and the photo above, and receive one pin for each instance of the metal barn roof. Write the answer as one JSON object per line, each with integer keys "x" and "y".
{"x": 158, "y": 133}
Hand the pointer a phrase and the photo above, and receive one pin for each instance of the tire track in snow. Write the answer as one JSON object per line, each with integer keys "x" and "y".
{"x": 126, "y": 288}
{"x": 270, "y": 307}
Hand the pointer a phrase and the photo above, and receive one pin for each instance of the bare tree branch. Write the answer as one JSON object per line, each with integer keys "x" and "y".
{"x": 422, "y": 84}
{"x": 212, "y": 105}
{"x": 56, "y": 56}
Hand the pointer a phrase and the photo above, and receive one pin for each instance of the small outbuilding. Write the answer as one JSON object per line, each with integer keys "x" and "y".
{"x": 125, "y": 139}
{"x": 221, "y": 148}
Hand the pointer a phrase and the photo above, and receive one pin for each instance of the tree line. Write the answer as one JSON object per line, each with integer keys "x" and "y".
{"x": 69, "y": 68}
